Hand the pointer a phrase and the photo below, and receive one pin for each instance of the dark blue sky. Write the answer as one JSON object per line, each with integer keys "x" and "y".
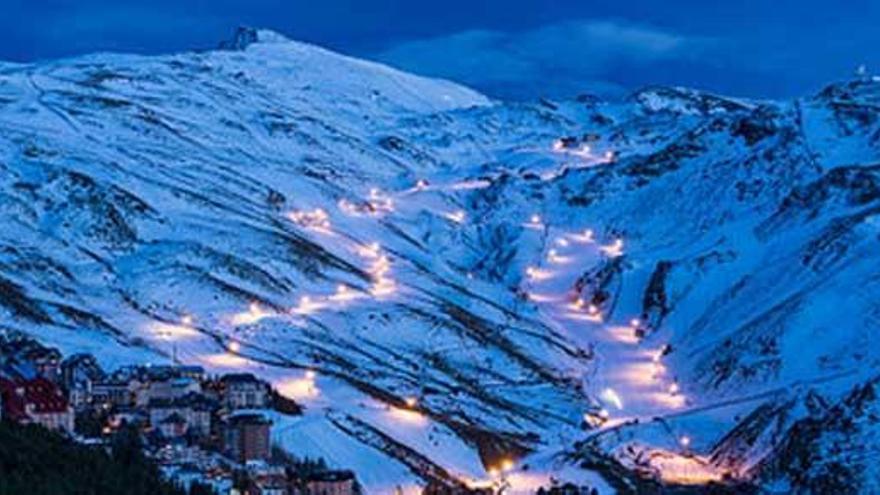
{"x": 510, "y": 48}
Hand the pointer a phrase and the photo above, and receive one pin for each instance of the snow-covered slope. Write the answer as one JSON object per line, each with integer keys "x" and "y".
{"x": 405, "y": 256}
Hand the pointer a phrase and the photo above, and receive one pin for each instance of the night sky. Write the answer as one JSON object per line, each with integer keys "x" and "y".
{"x": 512, "y": 48}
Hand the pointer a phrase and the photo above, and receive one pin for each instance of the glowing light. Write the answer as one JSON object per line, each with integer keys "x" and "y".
{"x": 562, "y": 242}
{"x": 593, "y": 309}
{"x": 637, "y": 374}
{"x": 609, "y": 155}
{"x": 536, "y": 219}
{"x": 615, "y": 249}
{"x": 457, "y": 216}
{"x": 411, "y": 402}
{"x": 669, "y": 401}
{"x": 673, "y": 388}
{"x": 470, "y": 184}
{"x": 421, "y": 184}
{"x": 383, "y": 285}
{"x": 348, "y": 207}
{"x": 586, "y": 237}
{"x": 585, "y": 149}
{"x": 623, "y": 334}
{"x": 379, "y": 202}
{"x": 186, "y": 320}
{"x": 596, "y": 419}
{"x": 233, "y": 347}
{"x": 507, "y": 465}
{"x": 558, "y": 145}
{"x": 310, "y": 374}
{"x": 684, "y": 469}
{"x": 253, "y": 315}
{"x": 306, "y": 306}
{"x": 299, "y": 388}
{"x": 684, "y": 441}
{"x": 538, "y": 274}
{"x": 610, "y": 396}
{"x": 368, "y": 251}
{"x": 554, "y": 257}
{"x": 316, "y": 219}
{"x": 407, "y": 415}
{"x": 171, "y": 332}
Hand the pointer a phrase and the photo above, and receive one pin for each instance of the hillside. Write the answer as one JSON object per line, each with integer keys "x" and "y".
{"x": 411, "y": 260}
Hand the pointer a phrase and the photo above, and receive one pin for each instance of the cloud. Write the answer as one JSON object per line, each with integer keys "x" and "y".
{"x": 559, "y": 59}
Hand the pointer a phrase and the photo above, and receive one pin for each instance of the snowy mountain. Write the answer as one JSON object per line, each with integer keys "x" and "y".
{"x": 448, "y": 283}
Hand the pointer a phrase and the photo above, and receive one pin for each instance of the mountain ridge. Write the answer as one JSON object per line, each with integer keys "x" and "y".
{"x": 246, "y": 189}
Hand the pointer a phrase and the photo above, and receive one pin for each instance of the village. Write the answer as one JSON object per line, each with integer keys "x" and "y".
{"x": 215, "y": 430}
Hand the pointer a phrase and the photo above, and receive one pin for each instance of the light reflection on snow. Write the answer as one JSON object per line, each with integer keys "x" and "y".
{"x": 299, "y": 388}
{"x": 253, "y": 315}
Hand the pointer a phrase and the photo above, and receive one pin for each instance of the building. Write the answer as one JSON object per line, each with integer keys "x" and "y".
{"x": 79, "y": 373}
{"x": 272, "y": 484}
{"x": 170, "y": 389}
{"x": 173, "y": 426}
{"x": 113, "y": 393}
{"x": 195, "y": 410}
{"x": 244, "y": 391}
{"x": 46, "y": 360}
{"x": 38, "y": 401}
{"x": 246, "y": 437}
{"x": 24, "y": 358}
{"x": 331, "y": 483}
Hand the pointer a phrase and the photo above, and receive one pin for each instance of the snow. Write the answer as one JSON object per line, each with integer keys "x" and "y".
{"x": 211, "y": 205}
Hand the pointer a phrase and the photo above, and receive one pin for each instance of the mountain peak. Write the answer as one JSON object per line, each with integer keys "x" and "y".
{"x": 246, "y": 36}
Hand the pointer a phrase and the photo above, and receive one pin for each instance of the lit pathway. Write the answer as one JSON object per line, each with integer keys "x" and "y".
{"x": 629, "y": 379}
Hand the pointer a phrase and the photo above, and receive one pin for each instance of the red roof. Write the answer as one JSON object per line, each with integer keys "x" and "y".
{"x": 43, "y": 396}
